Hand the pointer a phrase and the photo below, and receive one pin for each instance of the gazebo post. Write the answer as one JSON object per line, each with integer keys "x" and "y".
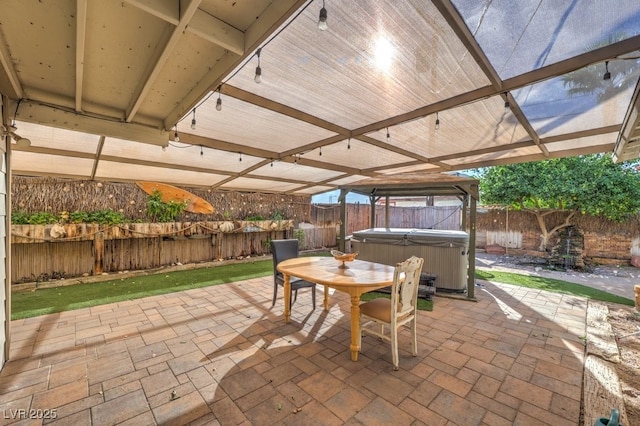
{"x": 343, "y": 219}
{"x": 372, "y": 216}
{"x": 471, "y": 274}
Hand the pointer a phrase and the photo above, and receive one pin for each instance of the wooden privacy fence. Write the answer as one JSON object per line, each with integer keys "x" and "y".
{"x": 359, "y": 216}
{"x": 44, "y": 252}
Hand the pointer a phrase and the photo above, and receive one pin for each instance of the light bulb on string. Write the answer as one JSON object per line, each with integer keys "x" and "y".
{"x": 349, "y": 143}
{"x": 437, "y": 122}
{"x": 258, "y": 77}
{"x": 240, "y": 159}
{"x": 201, "y": 152}
{"x": 506, "y": 101}
{"x": 320, "y": 151}
{"x": 176, "y": 137}
{"x": 388, "y": 136}
{"x": 219, "y": 103}
{"x": 607, "y": 74}
{"x": 193, "y": 120}
{"x": 322, "y": 20}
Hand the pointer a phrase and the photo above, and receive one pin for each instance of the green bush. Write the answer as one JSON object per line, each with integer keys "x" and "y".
{"x": 159, "y": 211}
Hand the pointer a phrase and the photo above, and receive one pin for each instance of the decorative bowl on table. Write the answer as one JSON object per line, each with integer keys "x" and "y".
{"x": 343, "y": 257}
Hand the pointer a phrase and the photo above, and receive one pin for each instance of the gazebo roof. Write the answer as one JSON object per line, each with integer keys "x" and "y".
{"x": 101, "y": 88}
{"x": 415, "y": 184}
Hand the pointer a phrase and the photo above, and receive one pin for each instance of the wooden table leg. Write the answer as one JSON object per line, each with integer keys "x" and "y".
{"x": 287, "y": 297}
{"x": 355, "y": 326}
{"x": 326, "y": 298}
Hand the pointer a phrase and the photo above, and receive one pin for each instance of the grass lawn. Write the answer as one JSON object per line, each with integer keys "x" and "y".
{"x": 51, "y": 300}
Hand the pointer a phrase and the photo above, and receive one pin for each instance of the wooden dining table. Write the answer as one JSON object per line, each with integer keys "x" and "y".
{"x": 354, "y": 278}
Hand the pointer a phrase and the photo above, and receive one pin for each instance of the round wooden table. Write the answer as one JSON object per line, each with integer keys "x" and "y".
{"x": 354, "y": 278}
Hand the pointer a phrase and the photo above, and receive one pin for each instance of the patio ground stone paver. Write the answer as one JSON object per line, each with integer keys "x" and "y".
{"x": 222, "y": 355}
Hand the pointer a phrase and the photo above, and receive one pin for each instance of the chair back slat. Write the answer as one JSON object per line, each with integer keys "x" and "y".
{"x": 406, "y": 280}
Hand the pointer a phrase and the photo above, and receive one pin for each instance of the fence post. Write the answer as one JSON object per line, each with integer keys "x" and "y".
{"x": 98, "y": 253}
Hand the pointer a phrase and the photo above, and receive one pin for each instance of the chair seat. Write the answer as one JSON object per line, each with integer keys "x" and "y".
{"x": 379, "y": 308}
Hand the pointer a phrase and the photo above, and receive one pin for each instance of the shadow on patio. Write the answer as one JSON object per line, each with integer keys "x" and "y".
{"x": 221, "y": 355}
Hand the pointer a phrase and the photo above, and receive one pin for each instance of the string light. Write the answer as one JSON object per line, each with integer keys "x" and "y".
{"x": 176, "y": 137}
{"x": 258, "y": 77}
{"x": 607, "y": 74}
{"x": 322, "y": 20}
{"x": 388, "y": 136}
{"x": 437, "y": 122}
{"x": 349, "y": 143}
{"x": 271, "y": 162}
{"x": 164, "y": 149}
{"x": 506, "y": 101}
{"x": 201, "y": 152}
{"x": 193, "y": 120}
{"x": 320, "y": 151}
{"x": 219, "y": 101}
{"x": 240, "y": 159}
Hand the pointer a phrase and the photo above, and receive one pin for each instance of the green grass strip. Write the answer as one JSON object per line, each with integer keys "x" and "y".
{"x": 553, "y": 285}
{"x": 52, "y": 300}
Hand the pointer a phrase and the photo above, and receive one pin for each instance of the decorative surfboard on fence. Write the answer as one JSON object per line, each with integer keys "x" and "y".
{"x": 168, "y": 193}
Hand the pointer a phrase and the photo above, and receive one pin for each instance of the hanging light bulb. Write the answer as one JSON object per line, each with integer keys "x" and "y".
{"x": 322, "y": 21}
{"x": 437, "y": 122}
{"x": 320, "y": 151}
{"x": 388, "y": 136}
{"x": 258, "y": 77}
{"x": 506, "y": 101}
{"x": 164, "y": 149}
{"x": 240, "y": 159}
{"x": 193, "y": 120}
{"x": 176, "y": 137}
{"x": 219, "y": 102}
{"x": 607, "y": 74}
{"x": 271, "y": 163}
{"x": 201, "y": 153}
{"x": 349, "y": 143}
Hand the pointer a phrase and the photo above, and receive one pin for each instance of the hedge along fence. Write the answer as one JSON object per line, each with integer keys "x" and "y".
{"x": 41, "y": 194}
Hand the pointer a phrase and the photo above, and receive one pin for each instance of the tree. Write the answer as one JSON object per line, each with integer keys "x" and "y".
{"x": 590, "y": 184}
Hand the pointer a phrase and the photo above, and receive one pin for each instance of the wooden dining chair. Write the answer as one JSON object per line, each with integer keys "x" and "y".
{"x": 393, "y": 313}
{"x": 283, "y": 250}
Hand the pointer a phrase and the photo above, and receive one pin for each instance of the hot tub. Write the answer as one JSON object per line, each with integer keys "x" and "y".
{"x": 445, "y": 253}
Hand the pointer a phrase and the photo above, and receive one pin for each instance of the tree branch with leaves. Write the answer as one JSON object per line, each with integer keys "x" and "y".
{"x": 590, "y": 184}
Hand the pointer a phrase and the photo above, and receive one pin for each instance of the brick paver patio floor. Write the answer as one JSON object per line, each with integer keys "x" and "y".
{"x": 222, "y": 355}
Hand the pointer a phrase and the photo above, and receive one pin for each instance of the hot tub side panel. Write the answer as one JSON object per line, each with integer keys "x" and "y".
{"x": 449, "y": 264}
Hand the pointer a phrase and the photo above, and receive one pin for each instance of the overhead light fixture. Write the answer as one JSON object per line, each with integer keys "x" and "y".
{"x": 219, "y": 101}
{"x": 176, "y": 137}
{"x": 258, "y": 77}
{"x": 201, "y": 152}
{"x": 437, "y": 122}
{"x": 193, "y": 120}
{"x": 240, "y": 159}
{"x": 607, "y": 74}
{"x": 349, "y": 143}
{"x": 320, "y": 151}
{"x": 506, "y": 101}
{"x": 322, "y": 21}
{"x": 388, "y": 136}
{"x": 11, "y": 132}
{"x": 20, "y": 141}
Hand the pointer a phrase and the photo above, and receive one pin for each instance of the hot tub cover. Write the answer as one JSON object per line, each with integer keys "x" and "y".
{"x": 404, "y": 236}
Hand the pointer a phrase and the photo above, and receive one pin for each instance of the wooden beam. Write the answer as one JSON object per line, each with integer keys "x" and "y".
{"x": 81, "y": 35}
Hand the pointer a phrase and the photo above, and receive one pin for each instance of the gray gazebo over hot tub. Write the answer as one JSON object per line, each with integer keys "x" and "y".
{"x": 412, "y": 185}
